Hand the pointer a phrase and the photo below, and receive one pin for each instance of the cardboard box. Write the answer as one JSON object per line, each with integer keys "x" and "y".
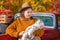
{"x": 4, "y": 19}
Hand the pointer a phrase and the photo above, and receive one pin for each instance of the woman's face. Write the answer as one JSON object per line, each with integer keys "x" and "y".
{"x": 28, "y": 13}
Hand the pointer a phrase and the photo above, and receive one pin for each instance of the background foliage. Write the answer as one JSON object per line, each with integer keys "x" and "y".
{"x": 40, "y": 5}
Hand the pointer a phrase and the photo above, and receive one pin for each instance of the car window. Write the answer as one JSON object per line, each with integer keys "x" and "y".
{"x": 58, "y": 22}
{"x": 48, "y": 21}
{"x": 17, "y": 15}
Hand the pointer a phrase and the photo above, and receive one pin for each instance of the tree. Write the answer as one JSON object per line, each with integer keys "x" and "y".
{"x": 41, "y": 5}
{"x": 56, "y": 6}
{"x": 13, "y": 5}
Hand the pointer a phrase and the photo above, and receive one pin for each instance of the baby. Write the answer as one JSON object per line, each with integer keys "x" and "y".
{"x": 30, "y": 29}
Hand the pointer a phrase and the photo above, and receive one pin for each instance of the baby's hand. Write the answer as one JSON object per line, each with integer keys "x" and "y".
{"x": 31, "y": 36}
{"x": 20, "y": 34}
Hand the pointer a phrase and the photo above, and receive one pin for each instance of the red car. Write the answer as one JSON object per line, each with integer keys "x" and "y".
{"x": 51, "y": 27}
{"x": 51, "y": 22}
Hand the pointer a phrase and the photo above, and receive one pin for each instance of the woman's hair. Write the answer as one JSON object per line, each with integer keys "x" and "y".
{"x": 22, "y": 12}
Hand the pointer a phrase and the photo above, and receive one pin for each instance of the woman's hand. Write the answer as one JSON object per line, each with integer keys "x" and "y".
{"x": 20, "y": 34}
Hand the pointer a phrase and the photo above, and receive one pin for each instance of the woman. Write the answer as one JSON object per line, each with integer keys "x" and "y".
{"x": 18, "y": 27}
